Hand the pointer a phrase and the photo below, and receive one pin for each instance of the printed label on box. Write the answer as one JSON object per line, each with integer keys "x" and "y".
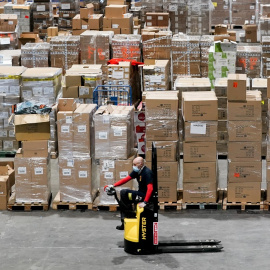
{"x": 108, "y": 175}
{"x": 103, "y": 135}
{"x": 106, "y": 119}
{"x": 160, "y": 18}
{"x": 22, "y": 170}
{"x": 84, "y": 26}
{"x": 66, "y": 172}
{"x": 3, "y": 133}
{"x": 107, "y": 164}
{"x": 68, "y": 119}
{"x": 41, "y": 8}
{"x": 123, "y": 174}
{"x": 38, "y": 171}
{"x": 4, "y": 41}
{"x": 65, "y": 129}
{"x": 118, "y": 132}
{"x": 198, "y": 128}
{"x": 84, "y": 91}
{"x": 7, "y": 144}
{"x": 83, "y": 174}
{"x": 81, "y": 128}
{"x": 156, "y": 78}
{"x": 65, "y": 6}
{"x": 10, "y": 22}
{"x": 115, "y": 26}
{"x": 11, "y": 134}
{"x": 70, "y": 162}
{"x": 118, "y": 74}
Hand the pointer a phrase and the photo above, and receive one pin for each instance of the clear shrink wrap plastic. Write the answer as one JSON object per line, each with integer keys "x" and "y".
{"x": 114, "y": 131}
{"x": 35, "y": 55}
{"x": 33, "y": 179}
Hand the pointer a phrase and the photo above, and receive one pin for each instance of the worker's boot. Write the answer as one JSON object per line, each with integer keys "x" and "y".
{"x": 120, "y": 227}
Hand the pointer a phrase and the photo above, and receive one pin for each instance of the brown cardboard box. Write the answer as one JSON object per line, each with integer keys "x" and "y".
{"x": 244, "y": 171}
{"x": 67, "y": 104}
{"x": 52, "y": 31}
{"x": 200, "y": 131}
{"x": 221, "y": 29}
{"x": 268, "y": 87}
{"x": 200, "y": 151}
{"x": 73, "y": 80}
{"x": 245, "y": 131}
{"x": 87, "y": 11}
{"x": 200, "y": 192}
{"x": 3, "y": 201}
{"x": 35, "y": 148}
{"x": 7, "y": 179}
{"x": 167, "y": 191}
{"x": 251, "y": 33}
{"x": 249, "y": 110}
{"x": 76, "y": 23}
{"x": 236, "y": 87}
{"x": 116, "y": 31}
{"x": 166, "y": 150}
{"x": 95, "y": 22}
{"x": 162, "y": 130}
{"x": 167, "y": 171}
{"x": 244, "y": 151}
{"x": 107, "y": 22}
{"x": 115, "y": 11}
{"x": 199, "y": 172}
{"x": 199, "y": 106}
{"x": 116, "y": 2}
{"x": 70, "y": 91}
{"x": 244, "y": 192}
{"x": 29, "y": 127}
{"x": 126, "y": 22}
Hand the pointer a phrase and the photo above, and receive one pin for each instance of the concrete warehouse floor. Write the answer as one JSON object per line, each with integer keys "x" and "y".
{"x": 79, "y": 240}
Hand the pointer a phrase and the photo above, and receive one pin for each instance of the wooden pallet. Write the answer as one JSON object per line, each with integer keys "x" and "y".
{"x": 57, "y": 204}
{"x": 205, "y": 205}
{"x": 54, "y": 155}
{"x": 27, "y": 206}
{"x": 170, "y": 205}
{"x": 243, "y": 206}
{"x": 109, "y": 207}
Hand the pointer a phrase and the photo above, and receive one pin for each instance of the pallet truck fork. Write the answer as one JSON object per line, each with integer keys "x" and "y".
{"x": 141, "y": 231}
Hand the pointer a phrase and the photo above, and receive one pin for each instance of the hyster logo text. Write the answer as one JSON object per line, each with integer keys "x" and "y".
{"x": 143, "y": 228}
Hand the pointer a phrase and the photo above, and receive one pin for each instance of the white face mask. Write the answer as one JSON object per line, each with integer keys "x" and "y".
{"x": 135, "y": 169}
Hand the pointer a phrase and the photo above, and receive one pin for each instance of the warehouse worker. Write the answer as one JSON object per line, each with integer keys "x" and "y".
{"x": 144, "y": 177}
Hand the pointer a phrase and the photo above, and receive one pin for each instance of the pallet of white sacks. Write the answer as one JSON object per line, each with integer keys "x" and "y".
{"x": 58, "y": 204}
{"x": 13, "y": 205}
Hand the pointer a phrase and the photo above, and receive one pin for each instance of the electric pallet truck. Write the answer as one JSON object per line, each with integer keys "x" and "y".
{"x": 141, "y": 230}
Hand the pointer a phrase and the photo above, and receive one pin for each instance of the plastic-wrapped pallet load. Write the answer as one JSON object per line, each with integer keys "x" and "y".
{"x": 32, "y": 172}
{"x": 95, "y": 47}
{"x": 222, "y": 60}
{"x": 42, "y": 17}
{"x": 10, "y": 90}
{"x": 156, "y": 75}
{"x": 64, "y": 51}
{"x": 75, "y": 142}
{"x": 150, "y": 6}
{"x": 161, "y": 113}
{"x": 268, "y": 145}
{"x": 206, "y": 42}
{"x": 244, "y": 146}
{"x": 248, "y": 61}
{"x": 186, "y": 55}
{"x": 24, "y": 13}
{"x": 221, "y": 12}
{"x": 127, "y": 47}
{"x": 243, "y": 12}
{"x": 265, "y": 42}
{"x": 10, "y": 57}
{"x": 35, "y": 55}
{"x": 199, "y": 147}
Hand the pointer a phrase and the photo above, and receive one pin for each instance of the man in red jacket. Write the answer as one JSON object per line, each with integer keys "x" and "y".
{"x": 144, "y": 177}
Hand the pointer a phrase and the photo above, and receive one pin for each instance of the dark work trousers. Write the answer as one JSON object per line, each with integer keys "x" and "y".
{"x": 128, "y": 197}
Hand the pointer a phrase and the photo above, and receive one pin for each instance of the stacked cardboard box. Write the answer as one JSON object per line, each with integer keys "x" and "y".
{"x": 156, "y": 45}
{"x": 157, "y": 19}
{"x": 7, "y": 180}
{"x": 76, "y": 146}
{"x": 243, "y": 12}
{"x": 35, "y": 55}
{"x": 206, "y": 42}
{"x": 9, "y": 28}
{"x": 64, "y": 51}
{"x": 265, "y": 42}
{"x": 221, "y": 12}
{"x": 222, "y": 58}
{"x": 156, "y": 75}
{"x": 114, "y": 132}
{"x": 8, "y": 22}
{"x": 268, "y": 143}
{"x": 139, "y": 122}
{"x": 221, "y": 93}
{"x": 162, "y": 128}
{"x": 10, "y": 57}
{"x": 32, "y": 172}
{"x": 261, "y": 85}
{"x": 178, "y": 14}
{"x": 95, "y": 47}
{"x": 68, "y": 10}
{"x": 24, "y": 13}
{"x": 199, "y": 147}
{"x": 127, "y": 47}
{"x": 42, "y": 17}
{"x": 86, "y": 20}
{"x": 264, "y": 27}
{"x": 186, "y": 55}
{"x": 80, "y": 82}
{"x": 150, "y": 6}
{"x": 10, "y": 90}
{"x": 248, "y": 61}
{"x": 198, "y": 17}
{"x": 118, "y": 20}
{"x": 244, "y": 147}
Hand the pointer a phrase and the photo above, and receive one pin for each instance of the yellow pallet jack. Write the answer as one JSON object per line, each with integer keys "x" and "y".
{"x": 141, "y": 231}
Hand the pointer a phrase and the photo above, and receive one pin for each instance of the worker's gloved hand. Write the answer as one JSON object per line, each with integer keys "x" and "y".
{"x": 108, "y": 187}
{"x": 142, "y": 204}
